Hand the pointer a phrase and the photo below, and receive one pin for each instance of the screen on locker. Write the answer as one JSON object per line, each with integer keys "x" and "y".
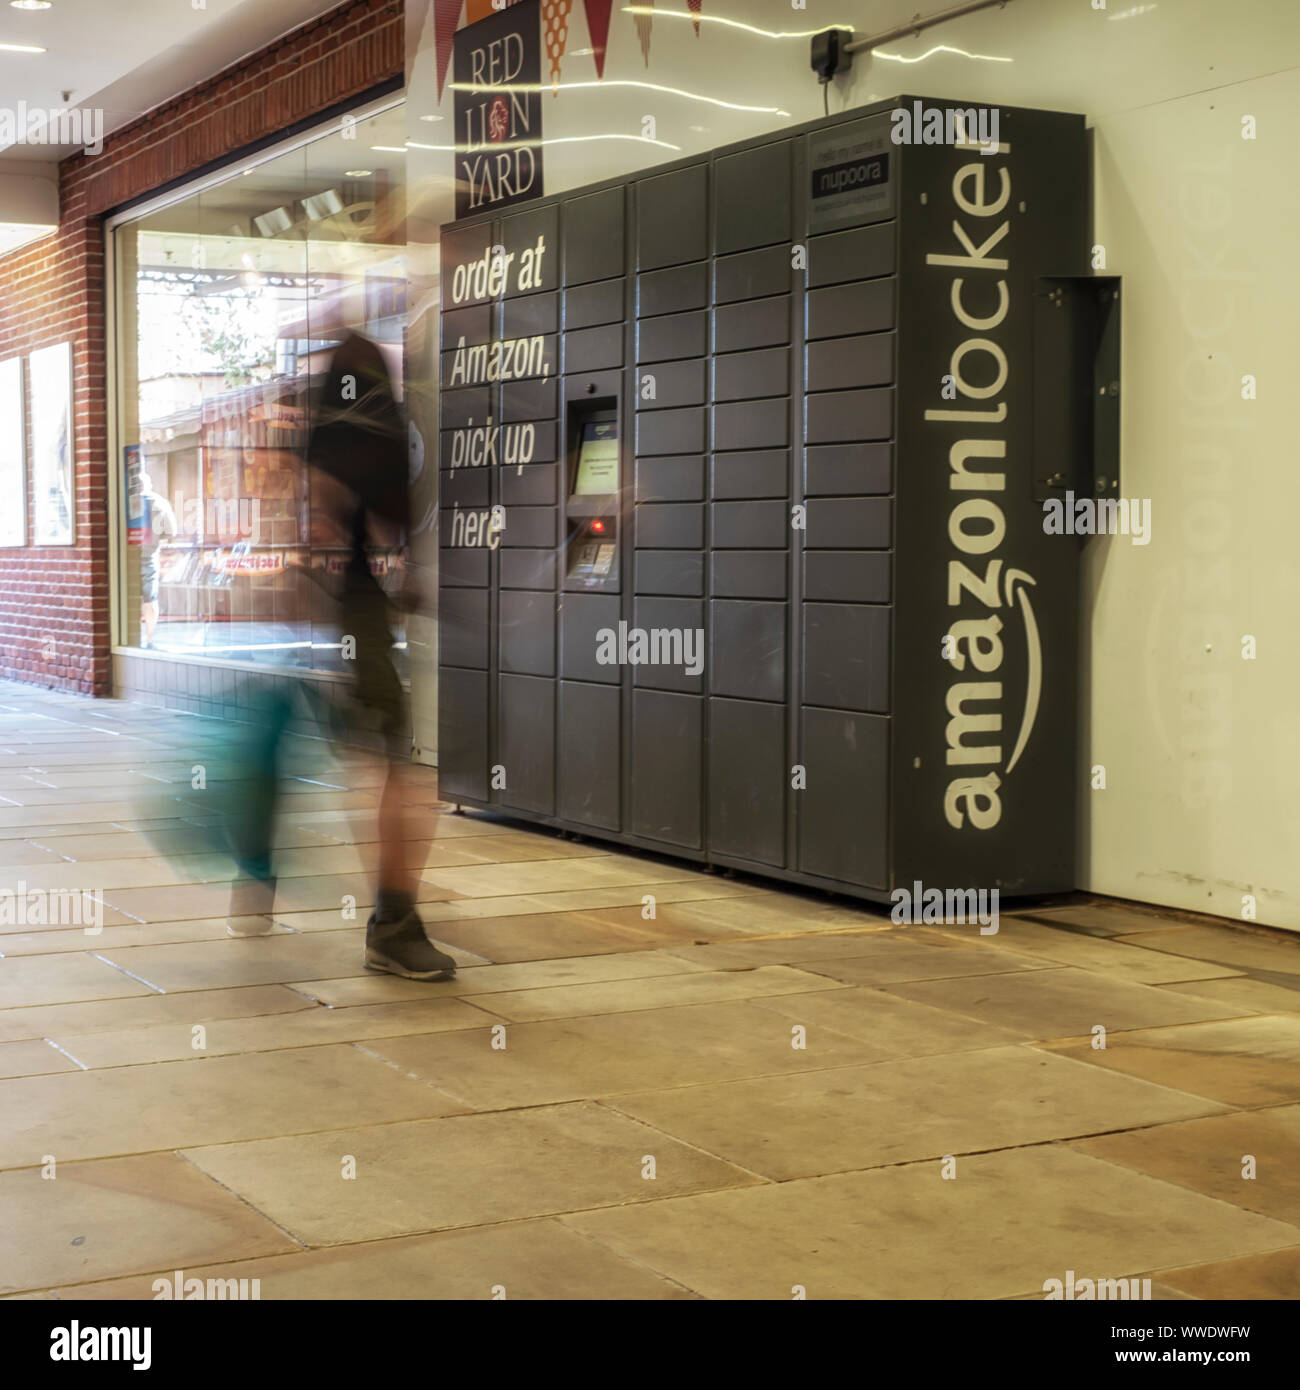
{"x": 597, "y": 472}
{"x": 593, "y": 504}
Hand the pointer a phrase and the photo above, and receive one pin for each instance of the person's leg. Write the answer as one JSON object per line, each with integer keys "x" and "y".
{"x": 149, "y": 592}
{"x": 395, "y": 873}
{"x": 403, "y": 848}
{"x": 395, "y": 937}
{"x": 254, "y": 793}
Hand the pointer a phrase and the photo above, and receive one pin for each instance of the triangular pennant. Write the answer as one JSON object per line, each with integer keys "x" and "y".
{"x": 485, "y": 9}
{"x": 555, "y": 36}
{"x": 446, "y": 16}
{"x": 644, "y": 23}
{"x": 598, "y": 13}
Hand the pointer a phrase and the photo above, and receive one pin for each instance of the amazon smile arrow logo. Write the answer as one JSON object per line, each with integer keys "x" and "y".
{"x": 1033, "y": 657}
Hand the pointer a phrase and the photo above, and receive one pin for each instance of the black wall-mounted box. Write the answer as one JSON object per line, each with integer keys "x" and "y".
{"x": 817, "y": 354}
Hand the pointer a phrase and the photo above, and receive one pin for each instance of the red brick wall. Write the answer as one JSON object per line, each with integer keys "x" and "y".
{"x": 54, "y": 601}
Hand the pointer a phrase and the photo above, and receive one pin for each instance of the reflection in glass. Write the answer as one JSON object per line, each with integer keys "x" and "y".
{"x": 50, "y": 372}
{"x": 13, "y": 471}
{"x": 231, "y": 304}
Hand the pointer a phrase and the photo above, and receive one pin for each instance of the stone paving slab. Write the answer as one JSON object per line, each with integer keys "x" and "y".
{"x": 1275, "y": 1275}
{"x": 173, "y": 1105}
{"x": 617, "y": 1053}
{"x": 1062, "y": 1002}
{"x": 848, "y": 1118}
{"x": 537, "y": 1259}
{"x": 1240, "y": 1061}
{"x": 1004, "y": 1225}
{"x": 149, "y": 1008}
{"x": 468, "y": 1170}
{"x": 1247, "y": 1158}
{"x": 119, "y": 1215}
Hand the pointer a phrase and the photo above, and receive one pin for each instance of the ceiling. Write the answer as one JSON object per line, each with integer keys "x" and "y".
{"x": 93, "y": 52}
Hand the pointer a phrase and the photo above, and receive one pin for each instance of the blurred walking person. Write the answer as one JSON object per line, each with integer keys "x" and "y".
{"x": 359, "y": 457}
{"x": 360, "y": 485}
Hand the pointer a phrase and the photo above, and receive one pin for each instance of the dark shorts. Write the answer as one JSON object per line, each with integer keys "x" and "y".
{"x": 381, "y": 701}
{"x": 378, "y": 707}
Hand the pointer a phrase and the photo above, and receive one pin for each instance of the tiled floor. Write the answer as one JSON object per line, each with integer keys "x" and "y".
{"x": 645, "y": 1082}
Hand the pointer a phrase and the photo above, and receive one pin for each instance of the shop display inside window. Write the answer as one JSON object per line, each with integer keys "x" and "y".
{"x": 236, "y": 299}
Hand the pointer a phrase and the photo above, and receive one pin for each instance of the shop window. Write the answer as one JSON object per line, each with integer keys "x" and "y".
{"x": 229, "y": 304}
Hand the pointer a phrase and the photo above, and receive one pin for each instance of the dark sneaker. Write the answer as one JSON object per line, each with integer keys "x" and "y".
{"x": 402, "y": 948}
{"x": 251, "y": 904}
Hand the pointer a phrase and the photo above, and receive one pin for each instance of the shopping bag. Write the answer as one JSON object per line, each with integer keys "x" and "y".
{"x": 218, "y": 823}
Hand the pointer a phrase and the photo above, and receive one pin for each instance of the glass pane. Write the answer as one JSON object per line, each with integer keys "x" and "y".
{"x": 230, "y": 303}
{"x": 251, "y": 477}
{"x": 356, "y": 254}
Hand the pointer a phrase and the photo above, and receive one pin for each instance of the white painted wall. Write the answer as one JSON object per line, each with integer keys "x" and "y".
{"x": 1200, "y": 747}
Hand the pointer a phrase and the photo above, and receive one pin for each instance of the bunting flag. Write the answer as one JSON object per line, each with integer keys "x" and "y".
{"x": 485, "y": 9}
{"x": 644, "y": 23}
{"x": 446, "y": 16}
{"x": 555, "y": 34}
{"x": 598, "y": 12}
{"x": 696, "y": 7}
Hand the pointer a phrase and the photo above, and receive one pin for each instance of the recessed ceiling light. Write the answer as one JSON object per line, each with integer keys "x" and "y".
{"x": 431, "y": 118}
{"x": 273, "y": 222}
{"x": 19, "y": 48}
{"x": 31, "y": 4}
{"x": 357, "y": 173}
{"x": 322, "y": 205}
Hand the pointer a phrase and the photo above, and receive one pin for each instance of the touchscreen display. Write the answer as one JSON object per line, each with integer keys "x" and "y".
{"x": 597, "y": 459}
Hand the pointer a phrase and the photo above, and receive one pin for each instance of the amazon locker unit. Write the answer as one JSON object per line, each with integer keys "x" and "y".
{"x": 742, "y": 461}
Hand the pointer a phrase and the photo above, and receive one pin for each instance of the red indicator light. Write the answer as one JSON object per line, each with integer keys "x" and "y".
{"x": 597, "y": 526}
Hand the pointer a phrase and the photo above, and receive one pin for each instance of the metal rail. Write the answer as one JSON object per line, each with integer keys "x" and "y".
{"x": 919, "y": 24}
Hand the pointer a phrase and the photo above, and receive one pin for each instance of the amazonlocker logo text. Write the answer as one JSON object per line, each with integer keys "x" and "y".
{"x": 975, "y": 731}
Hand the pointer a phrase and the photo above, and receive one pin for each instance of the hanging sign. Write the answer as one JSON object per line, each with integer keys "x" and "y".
{"x": 498, "y": 106}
